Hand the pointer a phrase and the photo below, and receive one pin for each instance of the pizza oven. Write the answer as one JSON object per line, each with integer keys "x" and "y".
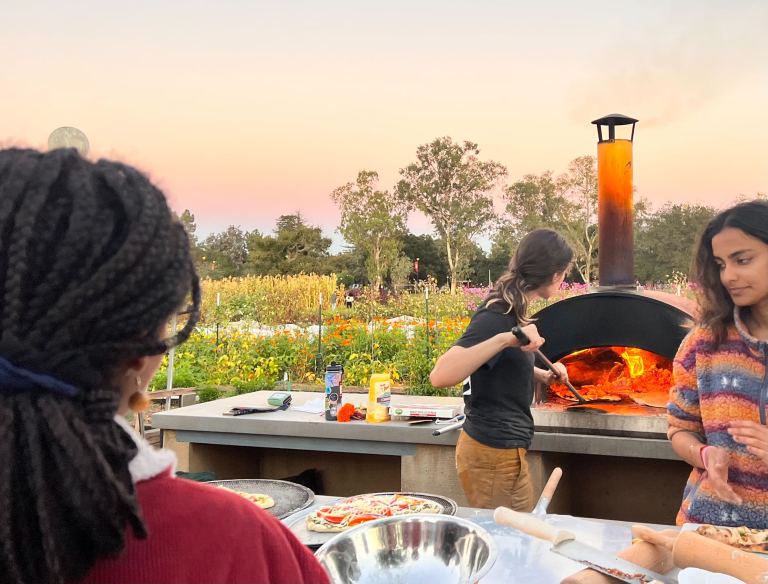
{"x": 615, "y": 344}
{"x": 617, "y": 341}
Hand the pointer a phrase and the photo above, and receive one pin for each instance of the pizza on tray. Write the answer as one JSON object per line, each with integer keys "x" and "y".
{"x": 362, "y": 508}
{"x": 260, "y": 499}
{"x": 744, "y": 538}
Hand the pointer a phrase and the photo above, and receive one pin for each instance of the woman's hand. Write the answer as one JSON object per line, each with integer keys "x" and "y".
{"x": 715, "y": 461}
{"x": 547, "y": 377}
{"x": 532, "y": 333}
{"x": 562, "y": 372}
{"x": 752, "y": 435}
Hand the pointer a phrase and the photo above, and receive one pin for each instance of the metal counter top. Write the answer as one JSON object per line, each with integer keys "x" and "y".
{"x": 527, "y": 560}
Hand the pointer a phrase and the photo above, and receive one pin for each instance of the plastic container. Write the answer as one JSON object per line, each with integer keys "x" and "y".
{"x": 333, "y": 390}
{"x": 379, "y": 395}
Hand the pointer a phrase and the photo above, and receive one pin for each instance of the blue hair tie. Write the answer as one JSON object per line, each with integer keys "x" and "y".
{"x": 14, "y": 379}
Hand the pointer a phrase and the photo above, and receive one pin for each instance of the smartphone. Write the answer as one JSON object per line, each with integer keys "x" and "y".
{"x": 279, "y": 398}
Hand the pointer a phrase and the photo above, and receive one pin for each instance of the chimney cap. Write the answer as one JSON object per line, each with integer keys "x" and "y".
{"x": 614, "y": 120}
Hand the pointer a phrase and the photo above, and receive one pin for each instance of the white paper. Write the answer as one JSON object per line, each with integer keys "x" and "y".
{"x": 312, "y": 406}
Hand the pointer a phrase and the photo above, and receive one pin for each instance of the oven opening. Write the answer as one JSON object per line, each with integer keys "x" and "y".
{"x": 616, "y": 375}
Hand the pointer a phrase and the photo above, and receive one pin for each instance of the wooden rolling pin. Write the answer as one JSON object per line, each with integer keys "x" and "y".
{"x": 643, "y": 553}
{"x": 692, "y": 550}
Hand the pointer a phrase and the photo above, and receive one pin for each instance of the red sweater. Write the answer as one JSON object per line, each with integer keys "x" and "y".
{"x": 206, "y": 535}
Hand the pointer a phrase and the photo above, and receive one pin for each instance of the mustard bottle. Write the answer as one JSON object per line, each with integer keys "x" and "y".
{"x": 379, "y": 394}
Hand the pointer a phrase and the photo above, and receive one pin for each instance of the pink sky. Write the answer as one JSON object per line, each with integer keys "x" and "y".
{"x": 245, "y": 111}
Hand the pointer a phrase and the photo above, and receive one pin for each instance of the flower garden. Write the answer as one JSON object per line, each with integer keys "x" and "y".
{"x": 254, "y": 330}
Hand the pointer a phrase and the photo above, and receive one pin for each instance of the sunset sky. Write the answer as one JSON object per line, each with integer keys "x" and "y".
{"x": 246, "y": 110}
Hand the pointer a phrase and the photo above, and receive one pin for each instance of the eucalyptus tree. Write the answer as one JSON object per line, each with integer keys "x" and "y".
{"x": 372, "y": 220}
{"x": 578, "y": 187}
{"x": 453, "y": 188}
{"x": 566, "y": 203}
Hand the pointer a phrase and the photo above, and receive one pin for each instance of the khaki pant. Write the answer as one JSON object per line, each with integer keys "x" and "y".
{"x": 492, "y": 477}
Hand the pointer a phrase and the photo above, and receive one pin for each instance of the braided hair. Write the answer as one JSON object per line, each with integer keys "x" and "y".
{"x": 92, "y": 263}
{"x": 540, "y": 255}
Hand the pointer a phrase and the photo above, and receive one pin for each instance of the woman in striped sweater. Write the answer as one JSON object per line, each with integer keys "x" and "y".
{"x": 717, "y": 410}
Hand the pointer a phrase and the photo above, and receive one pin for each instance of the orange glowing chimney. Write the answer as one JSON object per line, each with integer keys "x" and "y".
{"x": 614, "y": 203}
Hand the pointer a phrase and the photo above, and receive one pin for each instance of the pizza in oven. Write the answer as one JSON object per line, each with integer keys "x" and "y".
{"x": 588, "y": 392}
{"x": 362, "y": 508}
{"x": 744, "y": 538}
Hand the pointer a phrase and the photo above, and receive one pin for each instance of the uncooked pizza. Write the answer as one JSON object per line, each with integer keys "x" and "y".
{"x": 263, "y": 501}
{"x": 744, "y": 538}
{"x": 651, "y": 399}
{"x": 362, "y": 508}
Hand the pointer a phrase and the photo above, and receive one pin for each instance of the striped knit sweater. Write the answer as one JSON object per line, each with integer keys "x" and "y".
{"x": 711, "y": 387}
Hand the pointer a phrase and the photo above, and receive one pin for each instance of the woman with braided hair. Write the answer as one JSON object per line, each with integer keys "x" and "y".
{"x": 92, "y": 266}
{"x": 498, "y": 375}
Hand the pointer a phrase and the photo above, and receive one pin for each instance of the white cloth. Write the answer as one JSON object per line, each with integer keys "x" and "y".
{"x": 149, "y": 461}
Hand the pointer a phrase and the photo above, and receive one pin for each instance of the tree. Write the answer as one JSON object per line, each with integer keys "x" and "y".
{"x": 372, "y": 220}
{"x": 262, "y": 257}
{"x": 665, "y": 240}
{"x": 578, "y": 186}
{"x": 451, "y": 186}
{"x": 187, "y": 219}
{"x": 349, "y": 267}
{"x": 503, "y": 246}
{"x": 427, "y": 250}
{"x": 532, "y": 202}
{"x": 567, "y": 204}
{"x": 225, "y": 252}
{"x": 298, "y": 247}
{"x": 475, "y": 270}
{"x": 398, "y": 272}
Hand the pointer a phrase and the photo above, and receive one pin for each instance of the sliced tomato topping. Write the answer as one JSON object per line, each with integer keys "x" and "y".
{"x": 329, "y": 517}
{"x": 357, "y": 519}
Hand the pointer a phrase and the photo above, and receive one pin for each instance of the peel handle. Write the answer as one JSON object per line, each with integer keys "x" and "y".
{"x": 450, "y": 427}
{"x": 548, "y": 491}
{"x": 524, "y": 340}
{"x": 531, "y": 525}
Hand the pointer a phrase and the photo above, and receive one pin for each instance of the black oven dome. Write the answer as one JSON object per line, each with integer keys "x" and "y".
{"x": 611, "y": 318}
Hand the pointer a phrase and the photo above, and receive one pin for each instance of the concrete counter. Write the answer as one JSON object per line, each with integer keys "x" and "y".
{"x": 312, "y": 431}
{"x": 612, "y": 464}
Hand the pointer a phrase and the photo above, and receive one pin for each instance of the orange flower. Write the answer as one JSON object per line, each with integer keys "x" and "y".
{"x": 345, "y": 413}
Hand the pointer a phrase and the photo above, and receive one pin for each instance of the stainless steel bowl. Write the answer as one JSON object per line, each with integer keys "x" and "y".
{"x": 409, "y": 549}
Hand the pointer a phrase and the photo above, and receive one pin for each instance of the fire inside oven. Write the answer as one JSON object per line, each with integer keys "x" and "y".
{"x": 616, "y": 374}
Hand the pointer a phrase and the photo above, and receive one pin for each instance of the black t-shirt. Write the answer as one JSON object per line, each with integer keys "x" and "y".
{"x": 498, "y": 409}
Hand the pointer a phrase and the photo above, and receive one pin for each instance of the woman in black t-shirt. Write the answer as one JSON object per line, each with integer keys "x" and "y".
{"x": 498, "y": 375}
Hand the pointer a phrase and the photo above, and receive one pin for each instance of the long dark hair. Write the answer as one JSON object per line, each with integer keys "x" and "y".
{"x": 716, "y": 304}
{"x": 541, "y": 254}
{"x": 92, "y": 263}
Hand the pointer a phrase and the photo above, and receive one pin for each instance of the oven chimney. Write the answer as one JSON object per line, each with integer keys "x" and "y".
{"x": 614, "y": 203}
